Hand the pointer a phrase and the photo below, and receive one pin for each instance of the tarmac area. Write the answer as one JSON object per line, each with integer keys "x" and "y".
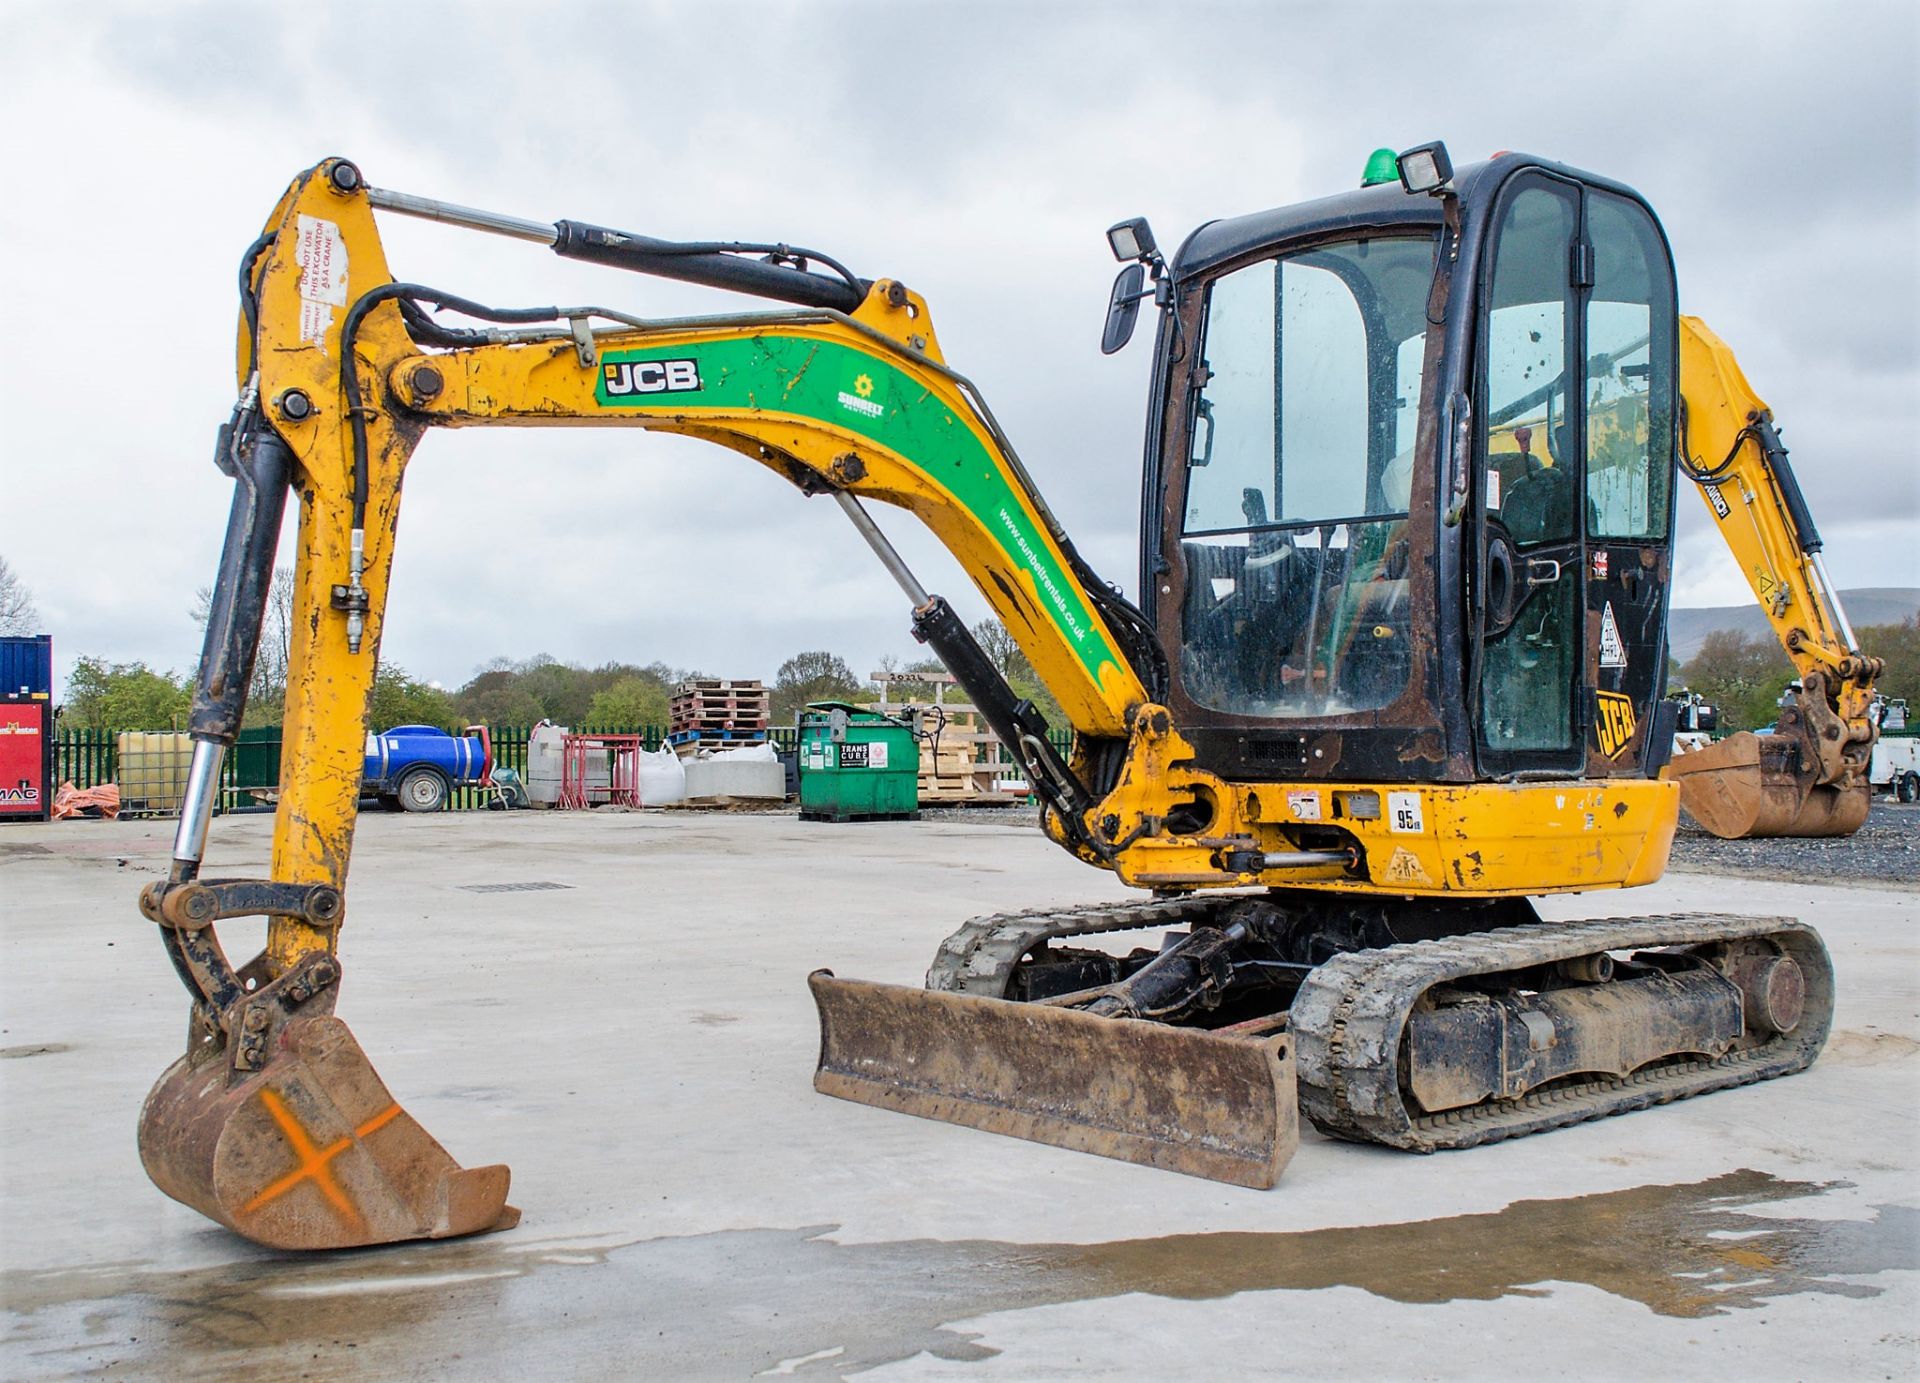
{"x": 638, "y": 1042}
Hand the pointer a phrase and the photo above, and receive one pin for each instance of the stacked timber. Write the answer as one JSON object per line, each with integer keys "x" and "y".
{"x": 709, "y": 714}
{"x": 961, "y": 759}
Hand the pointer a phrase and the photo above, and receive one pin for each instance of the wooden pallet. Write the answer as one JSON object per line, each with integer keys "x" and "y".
{"x": 724, "y": 803}
{"x": 970, "y": 785}
{"x": 719, "y": 700}
{"x": 716, "y": 710}
{"x": 714, "y": 740}
{"x": 714, "y": 684}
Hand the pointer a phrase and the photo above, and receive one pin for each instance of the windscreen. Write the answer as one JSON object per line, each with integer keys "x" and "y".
{"x": 1299, "y": 479}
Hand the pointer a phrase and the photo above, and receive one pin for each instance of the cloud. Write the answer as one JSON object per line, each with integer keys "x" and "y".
{"x": 977, "y": 152}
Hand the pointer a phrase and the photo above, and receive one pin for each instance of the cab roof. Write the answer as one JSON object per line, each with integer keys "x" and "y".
{"x": 1386, "y": 207}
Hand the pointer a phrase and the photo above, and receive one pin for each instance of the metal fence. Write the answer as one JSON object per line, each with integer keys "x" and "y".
{"x": 250, "y": 773}
{"x": 84, "y": 758}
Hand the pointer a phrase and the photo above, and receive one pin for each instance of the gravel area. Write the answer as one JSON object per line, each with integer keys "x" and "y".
{"x": 1019, "y": 814}
{"x": 1884, "y": 853}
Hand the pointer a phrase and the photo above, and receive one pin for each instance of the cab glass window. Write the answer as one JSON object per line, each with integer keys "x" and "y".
{"x": 1531, "y": 484}
{"x": 1531, "y": 456}
{"x": 1299, "y": 480}
{"x": 1629, "y": 374}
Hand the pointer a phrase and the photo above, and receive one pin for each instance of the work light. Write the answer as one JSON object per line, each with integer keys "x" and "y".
{"x": 1425, "y": 168}
{"x": 1131, "y": 239}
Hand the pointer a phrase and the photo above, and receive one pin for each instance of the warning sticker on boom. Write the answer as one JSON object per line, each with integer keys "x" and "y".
{"x": 322, "y": 257}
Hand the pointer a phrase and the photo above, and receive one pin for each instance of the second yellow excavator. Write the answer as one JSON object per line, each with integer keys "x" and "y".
{"x": 1809, "y": 775}
{"x": 1397, "y": 665}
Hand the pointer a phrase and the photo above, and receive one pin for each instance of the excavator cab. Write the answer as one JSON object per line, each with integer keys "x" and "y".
{"x": 1409, "y": 483}
{"x": 1406, "y": 545}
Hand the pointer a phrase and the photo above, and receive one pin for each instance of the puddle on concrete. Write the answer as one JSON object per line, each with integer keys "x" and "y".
{"x": 741, "y": 1302}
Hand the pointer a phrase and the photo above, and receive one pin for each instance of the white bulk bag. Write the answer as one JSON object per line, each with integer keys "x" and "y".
{"x": 663, "y": 778}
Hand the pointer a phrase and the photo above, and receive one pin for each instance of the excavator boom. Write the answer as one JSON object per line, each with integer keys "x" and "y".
{"x": 274, "y": 1122}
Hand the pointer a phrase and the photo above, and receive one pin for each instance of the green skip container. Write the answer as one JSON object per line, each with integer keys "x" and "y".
{"x": 857, "y": 765}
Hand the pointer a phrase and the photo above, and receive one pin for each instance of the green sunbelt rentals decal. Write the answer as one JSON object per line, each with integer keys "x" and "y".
{"x": 832, "y": 383}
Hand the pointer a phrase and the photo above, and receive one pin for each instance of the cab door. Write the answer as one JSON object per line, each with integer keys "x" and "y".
{"x": 1529, "y": 599}
{"x": 1630, "y": 384}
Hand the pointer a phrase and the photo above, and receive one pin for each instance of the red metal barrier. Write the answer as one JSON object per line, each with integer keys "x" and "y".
{"x": 578, "y": 791}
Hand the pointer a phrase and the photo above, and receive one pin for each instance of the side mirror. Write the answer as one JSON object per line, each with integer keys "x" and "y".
{"x": 1123, "y": 308}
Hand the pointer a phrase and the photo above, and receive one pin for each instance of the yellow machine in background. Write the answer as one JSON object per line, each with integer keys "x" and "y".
{"x": 1384, "y": 683}
{"x": 1809, "y": 776}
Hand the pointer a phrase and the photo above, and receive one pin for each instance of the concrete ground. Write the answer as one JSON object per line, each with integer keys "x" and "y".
{"x": 639, "y": 1046}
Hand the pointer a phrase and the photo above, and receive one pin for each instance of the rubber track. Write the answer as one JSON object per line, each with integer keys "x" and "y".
{"x": 1349, "y": 1015}
{"x": 981, "y": 956}
{"x": 1347, "y": 1018}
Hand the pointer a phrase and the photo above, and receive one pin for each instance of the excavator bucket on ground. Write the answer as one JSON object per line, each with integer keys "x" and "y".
{"x": 1749, "y": 785}
{"x": 273, "y": 1122}
{"x": 1217, "y": 1104}
{"x": 311, "y": 1151}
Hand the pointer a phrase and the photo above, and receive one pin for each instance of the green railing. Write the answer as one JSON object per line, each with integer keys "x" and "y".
{"x": 84, "y": 758}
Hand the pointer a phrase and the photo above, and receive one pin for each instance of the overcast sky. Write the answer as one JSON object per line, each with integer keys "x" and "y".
{"x": 975, "y": 151}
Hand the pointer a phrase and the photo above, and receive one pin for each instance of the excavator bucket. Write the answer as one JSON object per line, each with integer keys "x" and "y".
{"x": 310, "y": 1151}
{"x": 1749, "y": 785}
{"x": 1219, "y": 1105}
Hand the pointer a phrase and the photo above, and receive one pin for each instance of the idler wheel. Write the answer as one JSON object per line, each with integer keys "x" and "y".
{"x": 1774, "y": 992}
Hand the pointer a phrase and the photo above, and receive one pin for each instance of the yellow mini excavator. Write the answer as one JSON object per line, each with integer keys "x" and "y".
{"x": 1397, "y": 664}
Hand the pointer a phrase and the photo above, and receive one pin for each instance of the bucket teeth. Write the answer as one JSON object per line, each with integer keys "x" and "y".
{"x": 1210, "y": 1104}
{"x": 311, "y": 1151}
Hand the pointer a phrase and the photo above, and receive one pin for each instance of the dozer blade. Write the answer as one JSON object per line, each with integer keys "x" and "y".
{"x": 1210, "y": 1104}
{"x": 1749, "y": 785}
{"x": 310, "y": 1151}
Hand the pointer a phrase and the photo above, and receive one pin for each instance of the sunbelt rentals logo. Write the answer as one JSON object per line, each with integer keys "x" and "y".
{"x": 861, "y": 399}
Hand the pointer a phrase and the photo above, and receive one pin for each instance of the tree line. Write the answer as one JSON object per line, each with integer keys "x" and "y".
{"x": 1744, "y": 675}
{"x": 106, "y": 695}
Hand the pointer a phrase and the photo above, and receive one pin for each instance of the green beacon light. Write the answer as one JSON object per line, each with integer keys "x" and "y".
{"x": 1381, "y": 167}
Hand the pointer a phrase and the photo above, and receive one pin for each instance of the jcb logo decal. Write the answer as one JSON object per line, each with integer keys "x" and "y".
{"x": 627, "y": 378}
{"x": 1614, "y": 726}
